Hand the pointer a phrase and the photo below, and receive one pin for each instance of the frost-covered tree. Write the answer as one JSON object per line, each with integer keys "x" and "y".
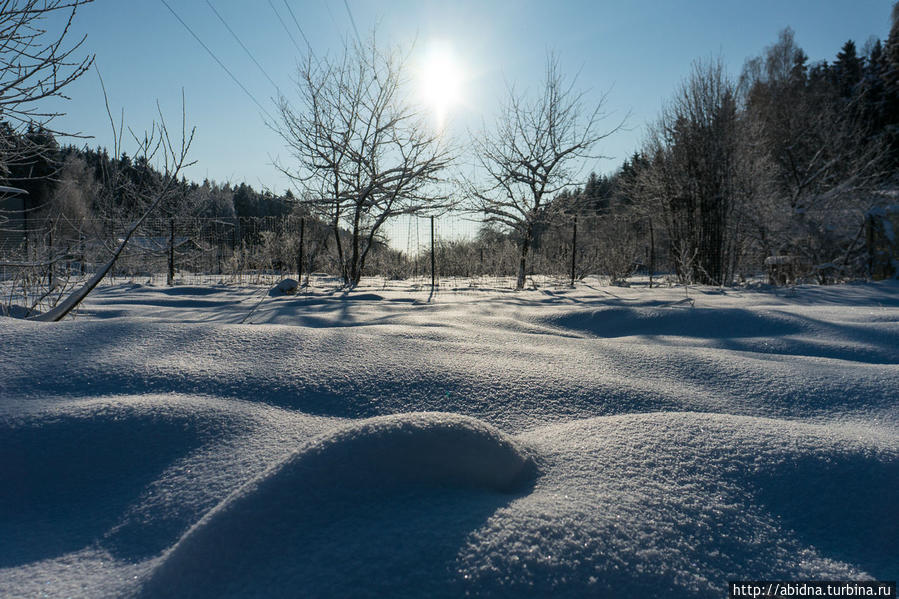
{"x": 36, "y": 63}
{"x": 534, "y": 151}
{"x": 697, "y": 178}
{"x": 362, "y": 153}
{"x": 819, "y": 131}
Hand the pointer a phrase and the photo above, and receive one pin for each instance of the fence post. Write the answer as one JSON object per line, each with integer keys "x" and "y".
{"x": 50, "y": 253}
{"x": 302, "y": 249}
{"x": 433, "y": 258}
{"x": 652, "y": 253}
{"x": 25, "y": 228}
{"x": 170, "y": 280}
{"x": 573, "y": 250}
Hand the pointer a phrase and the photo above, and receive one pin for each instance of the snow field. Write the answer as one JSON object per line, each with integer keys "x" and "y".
{"x": 595, "y": 441}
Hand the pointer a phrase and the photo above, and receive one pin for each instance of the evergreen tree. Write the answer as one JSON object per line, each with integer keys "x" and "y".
{"x": 891, "y": 52}
{"x": 847, "y": 70}
{"x": 244, "y": 201}
{"x": 598, "y": 194}
{"x": 38, "y": 160}
{"x": 890, "y": 78}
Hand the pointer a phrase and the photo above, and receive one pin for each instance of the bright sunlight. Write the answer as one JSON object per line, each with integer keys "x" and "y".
{"x": 440, "y": 80}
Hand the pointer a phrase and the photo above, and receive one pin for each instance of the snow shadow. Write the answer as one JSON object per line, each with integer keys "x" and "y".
{"x": 739, "y": 329}
{"x": 193, "y": 290}
{"x": 68, "y": 479}
{"x": 677, "y": 322}
{"x": 383, "y": 505}
{"x": 843, "y": 505}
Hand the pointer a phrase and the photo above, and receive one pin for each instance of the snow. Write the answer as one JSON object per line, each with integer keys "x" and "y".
{"x": 780, "y": 260}
{"x": 217, "y": 441}
{"x": 285, "y": 287}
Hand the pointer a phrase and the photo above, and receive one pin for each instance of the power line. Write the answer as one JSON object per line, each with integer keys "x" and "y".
{"x": 331, "y": 14}
{"x": 245, "y": 49}
{"x": 352, "y": 22}
{"x": 284, "y": 25}
{"x": 300, "y": 29}
{"x": 221, "y": 64}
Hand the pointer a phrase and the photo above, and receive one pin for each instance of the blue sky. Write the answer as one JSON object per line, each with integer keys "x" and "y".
{"x": 638, "y": 51}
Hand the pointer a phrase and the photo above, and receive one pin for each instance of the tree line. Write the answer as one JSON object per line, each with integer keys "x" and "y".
{"x": 63, "y": 182}
{"x": 782, "y": 160}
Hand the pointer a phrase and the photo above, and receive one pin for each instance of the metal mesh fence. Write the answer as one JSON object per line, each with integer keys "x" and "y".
{"x": 463, "y": 250}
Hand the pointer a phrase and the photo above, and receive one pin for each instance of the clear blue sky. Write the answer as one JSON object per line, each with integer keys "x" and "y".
{"x": 636, "y": 50}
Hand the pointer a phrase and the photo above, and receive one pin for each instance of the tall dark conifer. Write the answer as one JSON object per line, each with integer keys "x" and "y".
{"x": 847, "y": 70}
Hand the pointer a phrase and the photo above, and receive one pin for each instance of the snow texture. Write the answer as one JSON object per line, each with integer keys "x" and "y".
{"x": 225, "y": 441}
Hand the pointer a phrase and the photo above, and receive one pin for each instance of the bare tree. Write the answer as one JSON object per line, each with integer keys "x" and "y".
{"x": 697, "y": 177}
{"x": 535, "y": 150}
{"x": 363, "y": 155}
{"x": 154, "y": 146}
{"x": 34, "y": 65}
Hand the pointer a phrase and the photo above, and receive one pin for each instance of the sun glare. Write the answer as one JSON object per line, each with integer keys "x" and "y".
{"x": 441, "y": 81}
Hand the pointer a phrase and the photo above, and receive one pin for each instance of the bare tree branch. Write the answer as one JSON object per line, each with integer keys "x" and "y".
{"x": 535, "y": 150}
{"x": 362, "y": 154}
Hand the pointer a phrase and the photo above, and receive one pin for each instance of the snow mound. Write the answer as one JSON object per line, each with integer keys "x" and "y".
{"x": 285, "y": 287}
{"x": 677, "y": 504}
{"x": 69, "y": 471}
{"x": 678, "y": 321}
{"x": 323, "y": 520}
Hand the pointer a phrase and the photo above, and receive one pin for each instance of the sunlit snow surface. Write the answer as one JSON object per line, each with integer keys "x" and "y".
{"x": 225, "y": 441}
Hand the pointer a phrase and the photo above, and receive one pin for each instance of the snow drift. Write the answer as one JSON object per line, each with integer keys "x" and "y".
{"x": 258, "y": 541}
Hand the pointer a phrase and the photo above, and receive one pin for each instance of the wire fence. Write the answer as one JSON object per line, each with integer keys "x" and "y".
{"x": 451, "y": 246}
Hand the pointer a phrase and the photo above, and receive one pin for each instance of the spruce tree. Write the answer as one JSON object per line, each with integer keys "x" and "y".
{"x": 847, "y": 70}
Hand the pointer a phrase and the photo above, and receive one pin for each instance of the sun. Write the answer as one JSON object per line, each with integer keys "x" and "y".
{"x": 441, "y": 81}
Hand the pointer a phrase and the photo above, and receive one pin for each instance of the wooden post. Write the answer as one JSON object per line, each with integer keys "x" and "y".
{"x": 573, "y": 250}
{"x": 50, "y": 254}
{"x": 652, "y": 253}
{"x": 301, "y": 257}
{"x": 25, "y": 227}
{"x": 171, "y": 278}
{"x": 433, "y": 258}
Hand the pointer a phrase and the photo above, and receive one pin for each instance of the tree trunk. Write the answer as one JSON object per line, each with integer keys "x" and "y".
{"x": 355, "y": 271}
{"x": 522, "y": 264}
{"x": 340, "y": 260}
